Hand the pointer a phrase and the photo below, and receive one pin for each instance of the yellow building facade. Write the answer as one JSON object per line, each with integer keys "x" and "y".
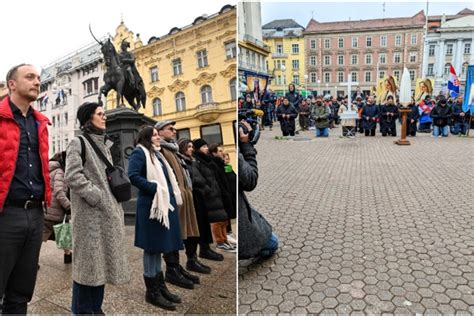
{"x": 286, "y": 62}
{"x": 190, "y": 77}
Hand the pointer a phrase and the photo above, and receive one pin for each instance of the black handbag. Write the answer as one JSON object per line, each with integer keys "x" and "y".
{"x": 118, "y": 180}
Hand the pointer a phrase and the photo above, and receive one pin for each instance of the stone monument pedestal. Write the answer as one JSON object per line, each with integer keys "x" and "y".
{"x": 123, "y": 125}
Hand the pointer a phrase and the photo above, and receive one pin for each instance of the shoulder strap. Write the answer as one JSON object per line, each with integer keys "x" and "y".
{"x": 83, "y": 150}
{"x": 98, "y": 151}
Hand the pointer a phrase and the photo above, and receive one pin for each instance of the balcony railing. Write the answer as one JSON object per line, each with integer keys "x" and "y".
{"x": 207, "y": 107}
{"x": 279, "y": 55}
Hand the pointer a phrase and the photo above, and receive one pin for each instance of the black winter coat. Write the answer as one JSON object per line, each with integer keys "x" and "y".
{"x": 387, "y": 121}
{"x": 227, "y": 198}
{"x": 441, "y": 115}
{"x": 372, "y": 113}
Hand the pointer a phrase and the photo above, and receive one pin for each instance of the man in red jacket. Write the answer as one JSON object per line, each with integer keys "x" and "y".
{"x": 24, "y": 188}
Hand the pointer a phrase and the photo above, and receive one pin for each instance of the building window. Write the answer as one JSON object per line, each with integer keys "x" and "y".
{"x": 233, "y": 89}
{"x": 413, "y": 57}
{"x": 295, "y": 48}
{"x": 183, "y": 133}
{"x": 381, "y": 74}
{"x": 91, "y": 86}
{"x": 354, "y": 76}
{"x": 212, "y": 134}
{"x": 355, "y": 42}
{"x": 467, "y": 48}
{"x": 464, "y": 70}
{"x": 368, "y": 41}
{"x": 412, "y": 75}
{"x": 431, "y": 50}
{"x": 368, "y": 59}
{"x": 313, "y": 77}
{"x": 202, "y": 58}
{"x": 296, "y": 64}
{"x": 313, "y": 44}
{"x": 449, "y": 49}
{"x": 446, "y": 69}
{"x": 430, "y": 70}
{"x": 340, "y": 59}
{"x": 296, "y": 79}
{"x": 312, "y": 60}
{"x": 398, "y": 40}
{"x": 180, "y": 100}
{"x": 383, "y": 58}
{"x": 327, "y": 60}
{"x": 156, "y": 107}
{"x": 327, "y": 77}
{"x": 230, "y": 50}
{"x": 354, "y": 59}
{"x": 279, "y": 49}
{"x": 396, "y": 74}
{"x": 340, "y": 76}
{"x": 177, "y": 70}
{"x": 206, "y": 94}
{"x": 396, "y": 58}
{"x": 327, "y": 43}
{"x": 413, "y": 39}
{"x": 341, "y": 42}
{"x": 154, "y": 74}
{"x": 368, "y": 76}
{"x": 383, "y": 41}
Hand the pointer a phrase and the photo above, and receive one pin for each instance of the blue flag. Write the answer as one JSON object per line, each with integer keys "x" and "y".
{"x": 468, "y": 102}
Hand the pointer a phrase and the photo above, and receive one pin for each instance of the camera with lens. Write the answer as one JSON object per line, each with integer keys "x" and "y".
{"x": 251, "y": 117}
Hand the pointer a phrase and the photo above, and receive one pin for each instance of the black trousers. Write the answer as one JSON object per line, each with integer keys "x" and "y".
{"x": 20, "y": 243}
{"x": 370, "y": 132}
{"x": 191, "y": 244}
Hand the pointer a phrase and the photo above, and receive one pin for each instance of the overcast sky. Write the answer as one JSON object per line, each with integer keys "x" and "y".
{"x": 342, "y": 11}
{"x": 38, "y": 32}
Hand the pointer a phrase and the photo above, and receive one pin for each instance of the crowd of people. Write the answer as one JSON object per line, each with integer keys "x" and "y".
{"x": 186, "y": 199}
{"x": 438, "y": 115}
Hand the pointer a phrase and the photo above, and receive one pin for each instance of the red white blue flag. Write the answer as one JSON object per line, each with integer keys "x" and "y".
{"x": 453, "y": 82}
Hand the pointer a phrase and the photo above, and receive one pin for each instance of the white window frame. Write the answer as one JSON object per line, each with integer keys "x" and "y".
{"x": 295, "y": 49}
{"x": 383, "y": 41}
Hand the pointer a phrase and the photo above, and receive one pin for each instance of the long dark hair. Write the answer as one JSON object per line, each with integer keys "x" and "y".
{"x": 183, "y": 145}
{"x": 144, "y": 139}
{"x": 61, "y": 158}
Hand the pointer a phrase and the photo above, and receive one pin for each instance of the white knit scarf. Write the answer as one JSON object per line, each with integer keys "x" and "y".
{"x": 161, "y": 202}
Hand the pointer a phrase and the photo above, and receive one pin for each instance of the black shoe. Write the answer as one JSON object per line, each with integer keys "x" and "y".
{"x": 194, "y": 265}
{"x": 208, "y": 253}
{"x": 165, "y": 292}
{"x": 174, "y": 276}
{"x": 189, "y": 276}
{"x": 153, "y": 295}
{"x": 67, "y": 258}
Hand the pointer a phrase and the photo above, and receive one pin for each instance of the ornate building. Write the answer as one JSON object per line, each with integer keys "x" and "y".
{"x": 65, "y": 84}
{"x": 190, "y": 77}
{"x": 286, "y": 62}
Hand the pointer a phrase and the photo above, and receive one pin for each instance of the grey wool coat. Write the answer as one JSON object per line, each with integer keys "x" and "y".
{"x": 98, "y": 229}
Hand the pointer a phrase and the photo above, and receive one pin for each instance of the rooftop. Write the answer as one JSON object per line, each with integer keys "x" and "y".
{"x": 282, "y": 24}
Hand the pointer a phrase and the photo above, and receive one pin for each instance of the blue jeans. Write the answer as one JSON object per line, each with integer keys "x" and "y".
{"x": 87, "y": 299}
{"x": 438, "y": 130}
{"x": 322, "y": 132}
{"x": 151, "y": 264}
{"x": 460, "y": 127}
{"x": 270, "y": 247}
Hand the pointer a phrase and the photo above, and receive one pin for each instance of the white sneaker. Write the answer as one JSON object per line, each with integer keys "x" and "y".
{"x": 231, "y": 239}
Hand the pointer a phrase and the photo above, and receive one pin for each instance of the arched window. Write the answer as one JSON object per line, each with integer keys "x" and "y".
{"x": 206, "y": 94}
{"x": 156, "y": 107}
{"x": 233, "y": 89}
{"x": 180, "y": 102}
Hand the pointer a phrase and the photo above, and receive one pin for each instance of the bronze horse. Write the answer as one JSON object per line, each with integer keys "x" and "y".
{"x": 114, "y": 78}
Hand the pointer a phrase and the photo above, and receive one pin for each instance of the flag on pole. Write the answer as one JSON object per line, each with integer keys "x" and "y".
{"x": 453, "y": 82}
{"x": 468, "y": 102}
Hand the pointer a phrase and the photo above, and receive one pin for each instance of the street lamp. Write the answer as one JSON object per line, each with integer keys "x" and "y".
{"x": 306, "y": 85}
{"x": 335, "y": 91}
{"x": 319, "y": 85}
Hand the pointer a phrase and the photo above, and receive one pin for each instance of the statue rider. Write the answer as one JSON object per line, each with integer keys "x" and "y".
{"x": 128, "y": 64}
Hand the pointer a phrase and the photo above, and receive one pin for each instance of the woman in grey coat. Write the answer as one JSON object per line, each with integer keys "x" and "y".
{"x": 98, "y": 230}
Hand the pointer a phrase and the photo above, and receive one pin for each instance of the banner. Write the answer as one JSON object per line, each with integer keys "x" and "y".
{"x": 468, "y": 102}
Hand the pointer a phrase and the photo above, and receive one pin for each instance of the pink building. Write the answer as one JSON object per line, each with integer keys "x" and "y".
{"x": 366, "y": 50}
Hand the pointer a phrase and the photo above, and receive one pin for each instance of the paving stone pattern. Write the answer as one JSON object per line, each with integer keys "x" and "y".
{"x": 365, "y": 226}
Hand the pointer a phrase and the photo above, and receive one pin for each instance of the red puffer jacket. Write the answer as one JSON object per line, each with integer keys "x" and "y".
{"x": 9, "y": 146}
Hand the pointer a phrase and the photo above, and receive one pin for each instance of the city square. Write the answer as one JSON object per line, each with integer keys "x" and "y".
{"x": 365, "y": 226}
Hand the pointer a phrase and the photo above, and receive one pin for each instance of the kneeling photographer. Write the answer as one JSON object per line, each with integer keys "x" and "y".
{"x": 256, "y": 239}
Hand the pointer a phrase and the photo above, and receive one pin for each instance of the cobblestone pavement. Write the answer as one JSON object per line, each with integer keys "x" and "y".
{"x": 365, "y": 226}
{"x": 215, "y": 295}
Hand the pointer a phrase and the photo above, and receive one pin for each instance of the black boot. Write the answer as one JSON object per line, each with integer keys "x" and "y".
{"x": 193, "y": 264}
{"x": 174, "y": 276}
{"x": 164, "y": 290}
{"x": 68, "y": 258}
{"x": 207, "y": 253}
{"x": 189, "y": 276}
{"x": 153, "y": 295}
